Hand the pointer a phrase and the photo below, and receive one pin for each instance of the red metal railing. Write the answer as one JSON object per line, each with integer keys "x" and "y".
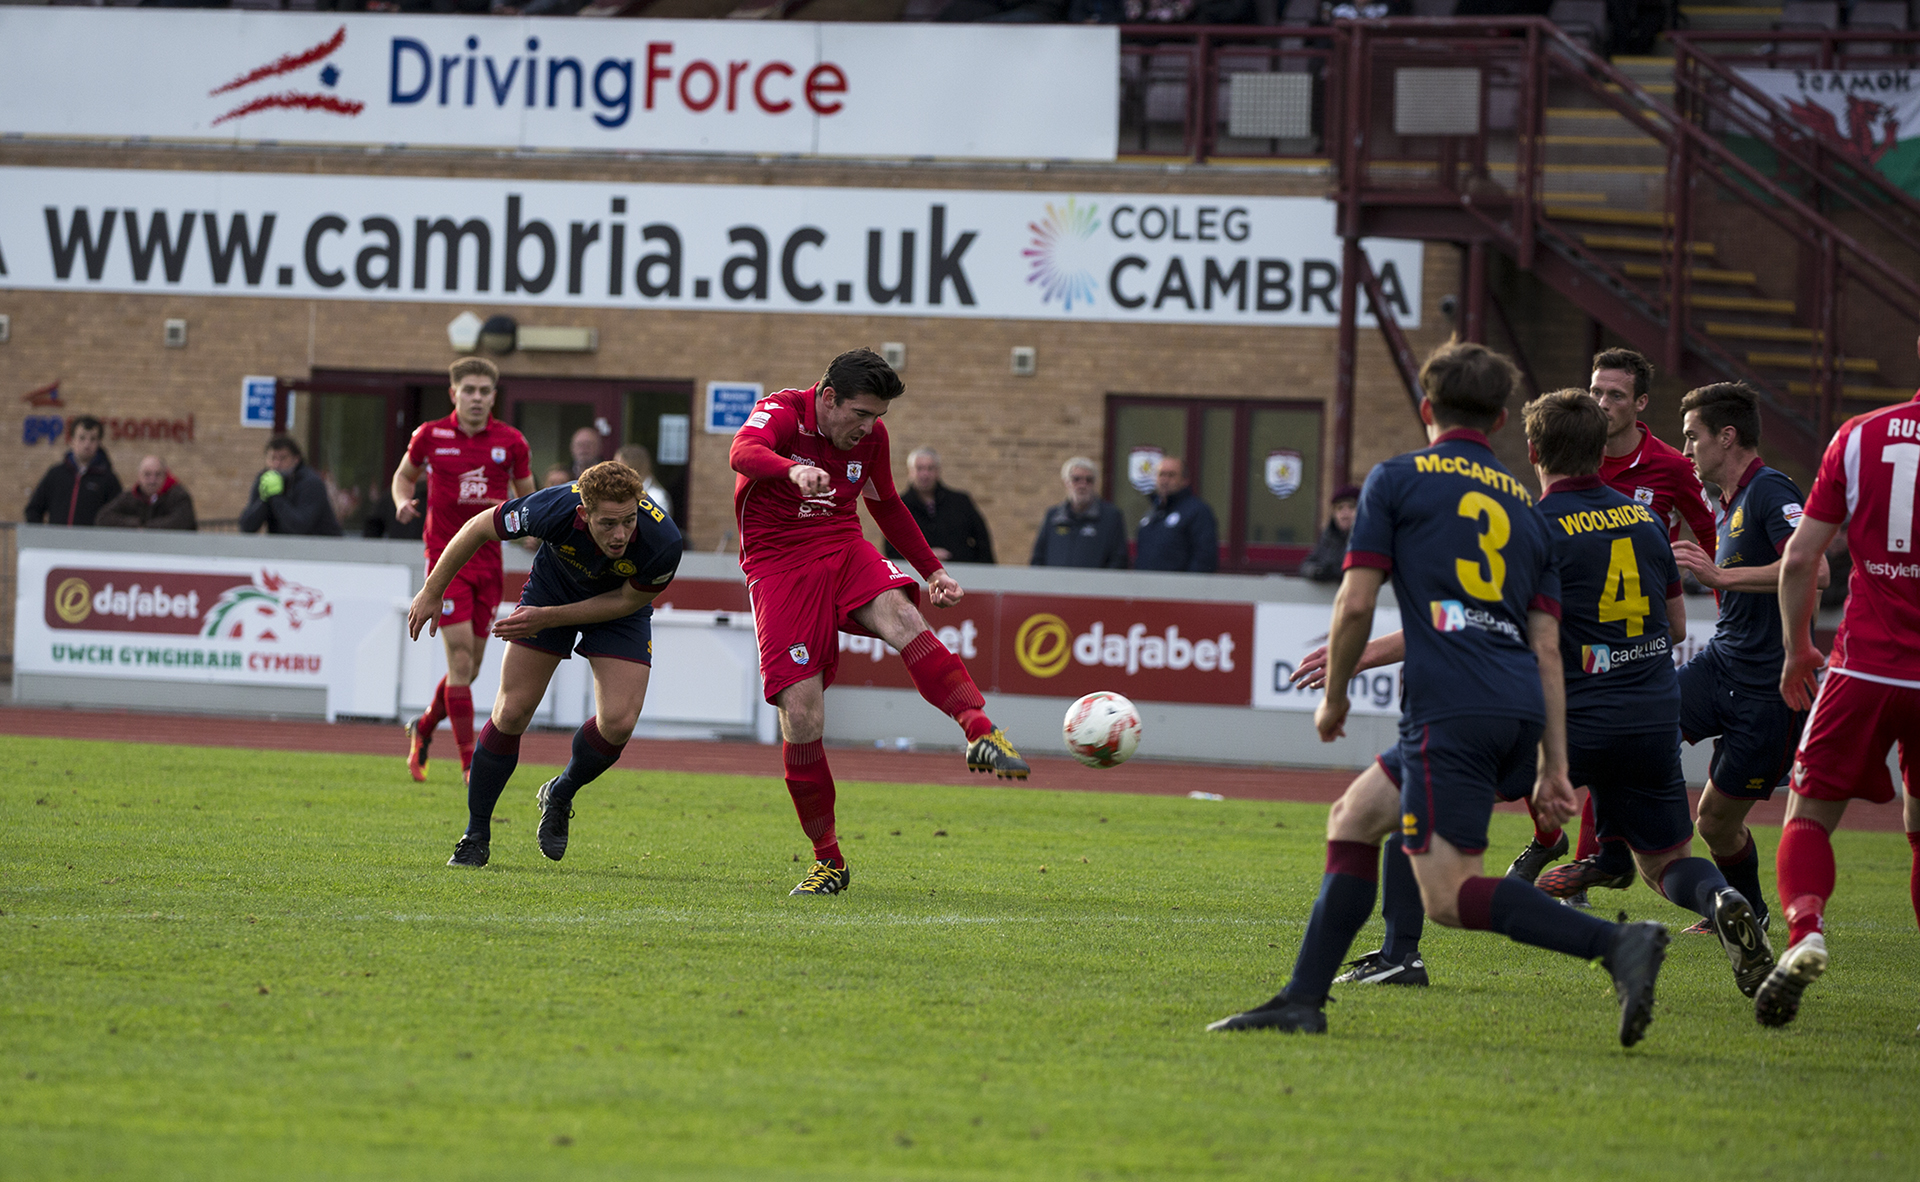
{"x": 1173, "y": 79}
{"x": 1442, "y": 186}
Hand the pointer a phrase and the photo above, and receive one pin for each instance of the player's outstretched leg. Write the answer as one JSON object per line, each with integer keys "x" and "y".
{"x": 1632, "y": 952}
{"x": 1340, "y": 911}
{"x": 943, "y": 680}
{"x": 1806, "y": 875}
{"x": 592, "y": 755}
{"x": 494, "y": 758}
{"x": 810, "y": 783}
{"x": 1397, "y": 961}
{"x": 1698, "y": 885}
{"x": 420, "y": 732}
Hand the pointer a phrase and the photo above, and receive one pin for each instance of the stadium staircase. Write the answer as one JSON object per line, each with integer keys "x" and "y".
{"x": 1664, "y": 197}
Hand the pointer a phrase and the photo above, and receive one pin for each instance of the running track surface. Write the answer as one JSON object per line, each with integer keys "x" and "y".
{"x": 751, "y": 759}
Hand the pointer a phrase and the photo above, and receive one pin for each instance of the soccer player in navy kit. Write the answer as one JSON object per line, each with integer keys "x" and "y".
{"x": 1621, "y": 610}
{"x": 606, "y": 553}
{"x": 1472, "y": 567}
{"x": 1730, "y": 692}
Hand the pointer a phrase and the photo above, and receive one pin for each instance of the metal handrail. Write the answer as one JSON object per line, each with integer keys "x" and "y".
{"x": 1535, "y": 49}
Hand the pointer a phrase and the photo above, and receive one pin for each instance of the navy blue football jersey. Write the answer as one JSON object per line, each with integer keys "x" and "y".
{"x": 1753, "y": 529}
{"x": 569, "y": 566}
{"x": 1616, "y": 574}
{"x": 1469, "y": 558}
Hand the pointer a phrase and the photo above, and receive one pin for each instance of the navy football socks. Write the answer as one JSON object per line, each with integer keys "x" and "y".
{"x": 1692, "y": 883}
{"x": 592, "y": 755}
{"x": 1400, "y": 904}
{"x": 495, "y": 755}
{"x": 1524, "y": 913}
{"x": 1343, "y": 908}
{"x": 1743, "y": 875}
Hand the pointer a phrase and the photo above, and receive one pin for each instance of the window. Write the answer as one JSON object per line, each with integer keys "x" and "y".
{"x": 1257, "y": 464}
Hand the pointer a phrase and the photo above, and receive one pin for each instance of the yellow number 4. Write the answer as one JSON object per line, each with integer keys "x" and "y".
{"x": 1498, "y": 528}
{"x": 1623, "y": 574}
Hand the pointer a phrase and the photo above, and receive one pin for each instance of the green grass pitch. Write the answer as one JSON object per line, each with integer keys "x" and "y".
{"x": 226, "y": 964}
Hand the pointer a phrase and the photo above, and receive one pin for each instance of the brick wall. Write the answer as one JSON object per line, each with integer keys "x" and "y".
{"x": 1002, "y": 438}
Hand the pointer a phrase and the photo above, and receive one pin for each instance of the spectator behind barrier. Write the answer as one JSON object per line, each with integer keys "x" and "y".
{"x": 637, "y": 457}
{"x": 288, "y": 497}
{"x": 73, "y": 490}
{"x": 586, "y": 449}
{"x": 1178, "y": 532}
{"x": 1082, "y": 530}
{"x": 156, "y": 501}
{"x": 948, "y": 518}
{"x": 1329, "y": 556}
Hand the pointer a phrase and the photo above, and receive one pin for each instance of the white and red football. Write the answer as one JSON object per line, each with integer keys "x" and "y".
{"x": 1102, "y": 730}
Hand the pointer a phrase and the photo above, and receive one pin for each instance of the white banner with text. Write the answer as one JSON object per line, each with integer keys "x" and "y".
{"x": 1265, "y": 261}
{"x": 764, "y": 87}
{"x": 161, "y": 617}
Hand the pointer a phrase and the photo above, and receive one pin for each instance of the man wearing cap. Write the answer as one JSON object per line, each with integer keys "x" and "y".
{"x": 1324, "y": 564}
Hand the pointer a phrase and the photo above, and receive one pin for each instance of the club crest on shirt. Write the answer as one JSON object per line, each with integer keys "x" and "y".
{"x": 1738, "y": 522}
{"x": 1643, "y": 495}
{"x": 624, "y": 569}
{"x": 854, "y": 468}
{"x": 499, "y": 455}
{"x": 798, "y": 652}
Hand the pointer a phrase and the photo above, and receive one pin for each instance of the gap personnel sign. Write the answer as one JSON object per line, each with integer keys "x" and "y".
{"x": 1266, "y": 261}
{"x": 839, "y": 89}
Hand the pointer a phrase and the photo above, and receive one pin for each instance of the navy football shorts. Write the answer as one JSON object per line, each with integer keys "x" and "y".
{"x": 629, "y": 638}
{"x": 1389, "y": 761}
{"x": 1454, "y": 770}
{"x": 1754, "y": 737}
{"x": 1639, "y": 793}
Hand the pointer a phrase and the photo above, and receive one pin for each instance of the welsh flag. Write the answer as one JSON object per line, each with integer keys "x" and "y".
{"x": 1874, "y": 112}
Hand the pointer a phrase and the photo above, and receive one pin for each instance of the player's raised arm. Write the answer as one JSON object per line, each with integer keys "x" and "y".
{"x": 1381, "y": 650}
{"x": 425, "y": 611}
{"x": 896, "y": 521}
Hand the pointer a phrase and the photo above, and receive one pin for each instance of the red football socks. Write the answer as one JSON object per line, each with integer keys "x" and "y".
{"x": 435, "y": 711}
{"x": 1543, "y": 836}
{"x": 1804, "y": 870}
{"x": 460, "y": 714}
{"x": 942, "y": 679}
{"x": 810, "y": 783}
{"x": 1589, "y": 843}
{"x": 1913, "y": 880}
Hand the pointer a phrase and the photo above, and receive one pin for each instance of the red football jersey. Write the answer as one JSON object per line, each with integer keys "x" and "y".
{"x": 466, "y": 474}
{"x": 1867, "y": 479}
{"x": 780, "y": 529}
{"x": 1659, "y": 477}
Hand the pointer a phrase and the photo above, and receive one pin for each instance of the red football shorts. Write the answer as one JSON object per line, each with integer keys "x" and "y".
{"x": 799, "y": 614}
{"x": 1843, "y": 752}
{"x": 474, "y": 593}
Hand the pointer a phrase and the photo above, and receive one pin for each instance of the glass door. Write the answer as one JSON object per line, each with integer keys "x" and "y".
{"x": 551, "y": 411}
{"x": 1256, "y": 464}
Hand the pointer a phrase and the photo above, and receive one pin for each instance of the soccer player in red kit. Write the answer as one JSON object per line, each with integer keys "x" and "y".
{"x": 1647, "y": 471}
{"x": 806, "y": 459}
{"x": 473, "y": 462}
{"x": 1871, "y": 697}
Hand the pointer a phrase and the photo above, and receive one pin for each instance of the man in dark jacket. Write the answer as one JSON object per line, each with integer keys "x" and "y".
{"x": 288, "y": 497}
{"x": 948, "y": 519}
{"x": 1178, "y": 532}
{"x": 1329, "y": 557}
{"x": 73, "y": 490}
{"x": 156, "y": 501}
{"x": 1083, "y": 530}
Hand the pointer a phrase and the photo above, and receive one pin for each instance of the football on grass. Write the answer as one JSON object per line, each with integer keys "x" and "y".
{"x": 1102, "y": 730}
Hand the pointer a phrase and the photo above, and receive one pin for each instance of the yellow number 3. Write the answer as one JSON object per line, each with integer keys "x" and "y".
{"x": 1492, "y": 538}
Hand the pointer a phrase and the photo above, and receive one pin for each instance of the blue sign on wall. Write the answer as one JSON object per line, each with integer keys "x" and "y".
{"x": 729, "y": 404}
{"x": 256, "y": 401}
